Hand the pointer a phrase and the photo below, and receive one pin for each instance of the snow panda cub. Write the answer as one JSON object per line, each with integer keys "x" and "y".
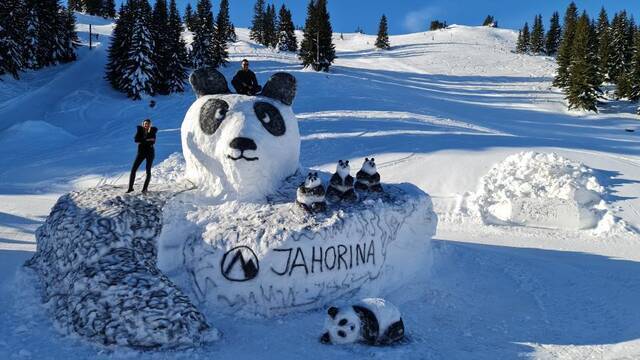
{"x": 310, "y": 194}
{"x": 373, "y": 321}
{"x": 341, "y": 184}
{"x": 368, "y": 179}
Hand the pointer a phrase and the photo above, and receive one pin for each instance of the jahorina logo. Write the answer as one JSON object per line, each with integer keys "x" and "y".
{"x": 239, "y": 264}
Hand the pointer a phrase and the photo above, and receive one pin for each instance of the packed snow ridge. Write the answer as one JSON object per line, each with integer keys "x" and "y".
{"x": 541, "y": 190}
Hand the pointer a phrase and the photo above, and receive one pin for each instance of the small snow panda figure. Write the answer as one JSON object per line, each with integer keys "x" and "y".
{"x": 310, "y": 194}
{"x": 368, "y": 179}
{"x": 373, "y": 321}
{"x": 341, "y": 184}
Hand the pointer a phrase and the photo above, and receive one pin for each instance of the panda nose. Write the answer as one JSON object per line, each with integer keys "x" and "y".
{"x": 242, "y": 144}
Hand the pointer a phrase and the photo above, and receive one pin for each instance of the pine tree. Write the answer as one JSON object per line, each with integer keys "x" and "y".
{"x": 523, "y": 45}
{"x": 270, "y": 34}
{"x": 223, "y": 22}
{"x": 634, "y": 74}
{"x": 221, "y": 33}
{"x": 11, "y": 37}
{"x": 286, "y": 31}
{"x": 257, "y": 24}
{"x": 109, "y": 9}
{"x": 31, "y": 38}
{"x": 140, "y": 71}
{"x": 47, "y": 32}
{"x": 537, "y": 36}
{"x": 66, "y": 37}
{"x": 119, "y": 48}
{"x": 553, "y": 35}
{"x": 619, "y": 54}
{"x": 566, "y": 44}
{"x": 604, "y": 38}
{"x": 93, "y": 7}
{"x": 382, "y": 41}
{"x": 189, "y": 18}
{"x": 203, "y": 38}
{"x": 176, "y": 73}
{"x": 581, "y": 92}
{"x": 489, "y": 21}
{"x": 75, "y": 5}
{"x": 231, "y": 36}
{"x": 162, "y": 52}
{"x": 317, "y": 47}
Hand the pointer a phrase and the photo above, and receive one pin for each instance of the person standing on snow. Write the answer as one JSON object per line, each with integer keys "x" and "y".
{"x": 245, "y": 81}
{"x": 145, "y": 138}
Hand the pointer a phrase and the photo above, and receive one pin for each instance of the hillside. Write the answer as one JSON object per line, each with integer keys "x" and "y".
{"x": 438, "y": 110}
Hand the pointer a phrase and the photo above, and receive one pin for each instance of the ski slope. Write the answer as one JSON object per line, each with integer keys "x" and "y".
{"x": 438, "y": 110}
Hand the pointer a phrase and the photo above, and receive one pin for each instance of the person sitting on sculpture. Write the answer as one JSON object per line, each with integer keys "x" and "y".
{"x": 145, "y": 138}
{"x": 245, "y": 81}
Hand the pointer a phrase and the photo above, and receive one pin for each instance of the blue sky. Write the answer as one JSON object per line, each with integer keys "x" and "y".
{"x": 407, "y": 16}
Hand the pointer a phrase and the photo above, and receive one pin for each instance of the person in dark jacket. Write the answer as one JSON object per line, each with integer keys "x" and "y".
{"x": 145, "y": 138}
{"x": 245, "y": 81}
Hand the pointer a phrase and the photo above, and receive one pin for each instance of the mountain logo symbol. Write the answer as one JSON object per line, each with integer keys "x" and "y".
{"x": 239, "y": 264}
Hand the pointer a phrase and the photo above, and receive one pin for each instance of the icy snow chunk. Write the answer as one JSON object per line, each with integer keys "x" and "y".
{"x": 541, "y": 190}
{"x": 96, "y": 260}
{"x": 274, "y": 258}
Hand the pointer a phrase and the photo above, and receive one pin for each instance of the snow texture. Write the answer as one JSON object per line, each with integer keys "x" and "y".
{"x": 273, "y": 258}
{"x": 96, "y": 259}
{"x": 542, "y": 190}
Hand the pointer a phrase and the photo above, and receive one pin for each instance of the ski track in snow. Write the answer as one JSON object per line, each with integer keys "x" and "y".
{"x": 438, "y": 110}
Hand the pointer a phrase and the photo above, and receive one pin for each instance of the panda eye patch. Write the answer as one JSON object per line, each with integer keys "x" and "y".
{"x": 342, "y": 333}
{"x": 342, "y": 322}
{"x": 270, "y": 118}
{"x": 212, "y": 114}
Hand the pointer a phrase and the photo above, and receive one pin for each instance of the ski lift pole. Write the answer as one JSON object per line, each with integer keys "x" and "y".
{"x": 90, "y": 36}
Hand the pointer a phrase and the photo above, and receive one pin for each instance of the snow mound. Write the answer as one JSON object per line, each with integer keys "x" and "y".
{"x": 273, "y": 258}
{"x": 541, "y": 190}
{"x": 25, "y": 132}
{"x": 96, "y": 260}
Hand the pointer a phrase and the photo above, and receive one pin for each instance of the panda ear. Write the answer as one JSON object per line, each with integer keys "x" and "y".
{"x": 333, "y": 311}
{"x": 208, "y": 81}
{"x": 346, "y": 162}
{"x": 325, "y": 338}
{"x": 373, "y": 159}
{"x": 282, "y": 87}
{"x": 366, "y": 159}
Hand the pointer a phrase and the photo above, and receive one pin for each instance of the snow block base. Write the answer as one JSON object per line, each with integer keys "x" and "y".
{"x": 275, "y": 258}
{"x": 96, "y": 259}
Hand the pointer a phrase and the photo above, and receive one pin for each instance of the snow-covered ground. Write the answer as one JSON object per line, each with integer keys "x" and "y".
{"x": 439, "y": 110}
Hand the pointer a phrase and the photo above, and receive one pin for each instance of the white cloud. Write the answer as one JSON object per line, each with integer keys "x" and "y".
{"x": 417, "y": 20}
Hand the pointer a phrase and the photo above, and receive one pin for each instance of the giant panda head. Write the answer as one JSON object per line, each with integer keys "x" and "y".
{"x": 237, "y": 146}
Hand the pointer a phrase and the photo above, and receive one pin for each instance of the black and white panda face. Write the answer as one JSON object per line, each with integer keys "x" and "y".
{"x": 240, "y": 146}
{"x": 369, "y": 166}
{"x": 342, "y": 326}
{"x": 312, "y": 180}
{"x": 343, "y": 169}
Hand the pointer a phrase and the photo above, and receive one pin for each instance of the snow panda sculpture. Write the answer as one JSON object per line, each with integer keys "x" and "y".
{"x": 310, "y": 194}
{"x": 368, "y": 179}
{"x": 238, "y": 146}
{"x": 373, "y": 321}
{"x": 341, "y": 184}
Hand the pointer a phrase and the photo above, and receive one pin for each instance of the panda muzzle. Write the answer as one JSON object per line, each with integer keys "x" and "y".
{"x": 242, "y": 144}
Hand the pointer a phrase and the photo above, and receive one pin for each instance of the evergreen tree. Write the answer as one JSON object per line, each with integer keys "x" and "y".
{"x": 604, "y": 38}
{"x": 109, "y": 9}
{"x": 119, "y": 48}
{"x": 47, "y": 31}
{"x": 231, "y": 36}
{"x": 317, "y": 47}
{"x": 189, "y": 18}
{"x": 382, "y": 41}
{"x": 537, "y": 36}
{"x": 176, "y": 73}
{"x": 11, "y": 37}
{"x": 634, "y": 74}
{"x": 619, "y": 54}
{"x": 286, "y": 31}
{"x": 223, "y": 23}
{"x": 202, "y": 52}
{"x": 553, "y": 35}
{"x": 270, "y": 34}
{"x": 581, "y": 92}
{"x": 257, "y": 24}
{"x": 221, "y": 33}
{"x": 75, "y": 5}
{"x": 566, "y": 44}
{"x": 489, "y": 21}
{"x": 93, "y": 7}
{"x": 162, "y": 51}
{"x": 31, "y": 38}
{"x": 140, "y": 71}
{"x": 66, "y": 37}
{"x": 523, "y": 45}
